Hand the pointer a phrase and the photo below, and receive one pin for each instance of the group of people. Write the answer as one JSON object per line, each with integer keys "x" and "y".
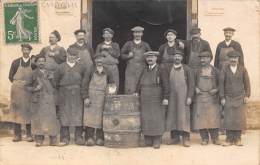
{"x": 178, "y": 87}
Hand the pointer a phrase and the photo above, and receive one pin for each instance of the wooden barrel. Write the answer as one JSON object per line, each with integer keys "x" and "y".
{"x": 121, "y": 121}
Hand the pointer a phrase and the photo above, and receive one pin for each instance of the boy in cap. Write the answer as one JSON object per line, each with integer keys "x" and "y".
{"x": 111, "y": 51}
{"x": 68, "y": 79}
{"x": 193, "y": 48}
{"x": 167, "y": 49}
{"x": 85, "y": 51}
{"x": 133, "y": 53}
{"x": 234, "y": 93}
{"x": 181, "y": 91}
{"x": 96, "y": 82}
{"x": 152, "y": 89}
{"x": 206, "y": 108}
{"x": 221, "y": 58}
{"x": 20, "y": 75}
{"x": 43, "y": 120}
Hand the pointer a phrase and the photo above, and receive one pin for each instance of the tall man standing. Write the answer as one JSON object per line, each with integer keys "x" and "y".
{"x": 68, "y": 79}
{"x": 20, "y": 75}
{"x": 234, "y": 92}
{"x": 85, "y": 51}
{"x": 111, "y": 51}
{"x": 133, "y": 53}
{"x": 221, "y": 58}
{"x": 193, "y": 48}
{"x": 181, "y": 91}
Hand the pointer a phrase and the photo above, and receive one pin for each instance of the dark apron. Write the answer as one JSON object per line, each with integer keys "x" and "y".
{"x": 152, "y": 110}
{"x": 167, "y": 60}
{"x": 43, "y": 110}
{"x": 20, "y": 97}
{"x": 194, "y": 60}
{"x": 235, "y": 113}
{"x": 85, "y": 58}
{"x": 94, "y": 113}
{"x": 223, "y": 58}
{"x": 133, "y": 71}
{"x": 178, "y": 114}
{"x": 206, "y": 109}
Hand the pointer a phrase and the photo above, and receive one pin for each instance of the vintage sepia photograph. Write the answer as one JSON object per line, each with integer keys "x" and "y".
{"x": 129, "y": 82}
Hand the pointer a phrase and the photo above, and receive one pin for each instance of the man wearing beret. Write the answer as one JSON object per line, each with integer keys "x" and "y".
{"x": 133, "y": 53}
{"x": 234, "y": 92}
{"x": 180, "y": 89}
{"x": 167, "y": 49}
{"x": 154, "y": 98}
{"x": 68, "y": 79}
{"x": 194, "y": 46}
{"x": 206, "y": 108}
{"x": 85, "y": 51}
{"x": 20, "y": 75}
{"x": 96, "y": 82}
{"x": 111, "y": 51}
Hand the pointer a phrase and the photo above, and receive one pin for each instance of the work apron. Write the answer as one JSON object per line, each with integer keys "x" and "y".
{"x": 44, "y": 121}
{"x": 194, "y": 60}
{"x": 20, "y": 97}
{"x": 134, "y": 70}
{"x": 152, "y": 110}
{"x": 167, "y": 60}
{"x": 93, "y": 114}
{"x": 223, "y": 58}
{"x": 235, "y": 113}
{"x": 178, "y": 114}
{"x": 206, "y": 108}
{"x": 85, "y": 58}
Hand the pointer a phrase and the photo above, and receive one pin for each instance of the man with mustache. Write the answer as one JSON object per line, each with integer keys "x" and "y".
{"x": 181, "y": 90}
{"x": 20, "y": 75}
{"x": 221, "y": 58}
{"x": 133, "y": 53}
{"x": 85, "y": 51}
{"x": 234, "y": 92}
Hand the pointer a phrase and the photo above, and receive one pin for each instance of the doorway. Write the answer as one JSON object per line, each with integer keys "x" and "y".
{"x": 156, "y": 16}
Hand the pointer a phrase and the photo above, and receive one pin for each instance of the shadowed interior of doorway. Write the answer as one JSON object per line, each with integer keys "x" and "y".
{"x": 156, "y": 16}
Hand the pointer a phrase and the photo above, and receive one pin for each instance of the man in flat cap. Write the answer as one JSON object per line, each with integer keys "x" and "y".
{"x": 154, "y": 98}
{"x": 167, "y": 49}
{"x": 96, "y": 82}
{"x": 193, "y": 48}
{"x": 221, "y": 58}
{"x": 111, "y": 51}
{"x": 180, "y": 80}
{"x": 234, "y": 92}
{"x": 133, "y": 53}
{"x": 20, "y": 75}
{"x": 206, "y": 108}
{"x": 68, "y": 79}
{"x": 85, "y": 51}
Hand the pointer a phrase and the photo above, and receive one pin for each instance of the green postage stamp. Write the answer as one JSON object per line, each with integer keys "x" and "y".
{"x": 21, "y": 22}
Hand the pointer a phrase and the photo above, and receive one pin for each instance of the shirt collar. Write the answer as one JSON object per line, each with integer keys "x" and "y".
{"x": 71, "y": 64}
{"x": 233, "y": 69}
{"x": 137, "y": 41}
{"x": 79, "y": 44}
{"x": 152, "y": 66}
{"x": 107, "y": 42}
{"x": 102, "y": 72}
{"x": 171, "y": 44}
{"x": 177, "y": 66}
{"x": 26, "y": 59}
{"x": 228, "y": 42}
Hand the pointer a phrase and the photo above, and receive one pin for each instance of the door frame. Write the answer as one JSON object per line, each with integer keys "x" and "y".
{"x": 86, "y": 17}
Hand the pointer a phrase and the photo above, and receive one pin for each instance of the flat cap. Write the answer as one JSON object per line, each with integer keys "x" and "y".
{"x": 229, "y": 29}
{"x": 137, "y": 29}
{"x": 170, "y": 30}
{"x": 80, "y": 31}
{"x": 205, "y": 54}
{"x": 26, "y": 45}
{"x": 195, "y": 30}
{"x": 151, "y": 53}
{"x": 72, "y": 51}
{"x": 180, "y": 52}
{"x": 108, "y": 30}
{"x": 233, "y": 53}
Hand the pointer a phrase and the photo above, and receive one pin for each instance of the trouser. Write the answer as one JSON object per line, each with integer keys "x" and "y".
{"x": 18, "y": 130}
{"x": 40, "y": 139}
{"x": 150, "y": 140}
{"x": 175, "y": 134}
{"x": 204, "y": 134}
{"x": 65, "y": 133}
{"x": 233, "y": 135}
{"x": 90, "y": 132}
